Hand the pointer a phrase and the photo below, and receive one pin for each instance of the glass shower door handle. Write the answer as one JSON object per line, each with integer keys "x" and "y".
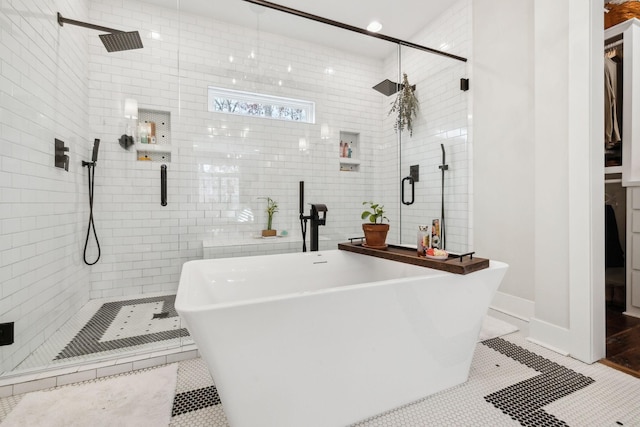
{"x": 413, "y": 190}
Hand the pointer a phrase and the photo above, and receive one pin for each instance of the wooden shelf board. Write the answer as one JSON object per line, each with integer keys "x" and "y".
{"x": 408, "y": 255}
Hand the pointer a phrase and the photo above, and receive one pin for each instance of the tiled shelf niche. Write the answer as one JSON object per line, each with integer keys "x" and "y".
{"x": 160, "y": 151}
{"x": 349, "y": 151}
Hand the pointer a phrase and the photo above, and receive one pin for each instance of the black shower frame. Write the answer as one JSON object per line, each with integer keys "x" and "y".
{"x": 352, "y": 28}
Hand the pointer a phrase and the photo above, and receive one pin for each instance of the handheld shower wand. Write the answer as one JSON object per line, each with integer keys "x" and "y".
{"x": 443, "y": 167}
{"x": 303, "y": 219}
{"x": 92, "y": 171}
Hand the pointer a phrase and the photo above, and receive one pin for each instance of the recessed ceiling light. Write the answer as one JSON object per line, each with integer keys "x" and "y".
{"x": 374, "y": 26}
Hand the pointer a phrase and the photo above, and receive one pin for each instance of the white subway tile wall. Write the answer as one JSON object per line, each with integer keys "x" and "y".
{"x": 221, "y": 165}
{"x": 44, "y": 87}
{"x": 60, "y": 82}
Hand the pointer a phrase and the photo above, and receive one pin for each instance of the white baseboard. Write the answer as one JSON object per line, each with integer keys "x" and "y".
{"x": 550, "y": 336}
{"x": 513, "y": 306}
{"x": 632, "y": 311}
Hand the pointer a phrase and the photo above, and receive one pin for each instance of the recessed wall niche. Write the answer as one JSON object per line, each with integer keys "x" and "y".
{"x": 349, "y": 151}
{"x": 154, "y": 136}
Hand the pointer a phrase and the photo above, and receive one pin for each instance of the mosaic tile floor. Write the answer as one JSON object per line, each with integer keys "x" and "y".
{"x": 105, "y": 328}
{"x": 512, "y": 382}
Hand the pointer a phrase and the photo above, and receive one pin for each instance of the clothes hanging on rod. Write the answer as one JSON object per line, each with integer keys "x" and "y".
{"x": 613, "y": 46}
{"x": 611, "y": 129}
{"x": 613, "y": 103}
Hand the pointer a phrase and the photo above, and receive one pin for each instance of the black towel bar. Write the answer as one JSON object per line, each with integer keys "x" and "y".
{"x": 163, "y": 185}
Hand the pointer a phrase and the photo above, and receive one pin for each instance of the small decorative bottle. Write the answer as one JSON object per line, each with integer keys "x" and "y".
{"x": 423, "y": 239}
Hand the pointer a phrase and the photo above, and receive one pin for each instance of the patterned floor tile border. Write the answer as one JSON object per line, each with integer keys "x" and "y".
{"x": 88, "y": 340}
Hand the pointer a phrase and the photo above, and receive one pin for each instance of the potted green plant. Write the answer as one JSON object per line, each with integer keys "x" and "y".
{"x": 272, "y": 208}
{"x": 405, "y": 106}
{"x": 375, "y": 232}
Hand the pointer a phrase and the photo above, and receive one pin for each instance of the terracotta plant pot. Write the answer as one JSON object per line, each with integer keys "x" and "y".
{"x": 375, "y": 235}
{"x": 268, "y": 233}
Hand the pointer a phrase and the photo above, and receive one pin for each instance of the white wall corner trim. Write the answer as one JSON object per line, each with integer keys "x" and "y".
{"x": 586, "y": 172}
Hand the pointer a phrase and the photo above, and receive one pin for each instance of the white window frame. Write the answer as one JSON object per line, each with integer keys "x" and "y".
{"x": 308, "y": 107}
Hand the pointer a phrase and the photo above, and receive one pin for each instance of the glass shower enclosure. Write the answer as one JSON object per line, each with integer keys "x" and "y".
{"x": 237, "y": 104}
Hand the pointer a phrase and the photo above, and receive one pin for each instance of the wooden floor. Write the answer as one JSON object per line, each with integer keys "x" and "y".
{"x": 623, "y": 341}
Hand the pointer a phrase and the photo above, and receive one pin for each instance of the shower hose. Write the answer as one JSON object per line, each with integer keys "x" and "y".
{"x": 92, "y": 171}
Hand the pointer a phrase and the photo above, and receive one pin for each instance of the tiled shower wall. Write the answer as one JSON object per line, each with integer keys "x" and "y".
{"x": 221, "y": 165}
{"x": 43, "y": 209}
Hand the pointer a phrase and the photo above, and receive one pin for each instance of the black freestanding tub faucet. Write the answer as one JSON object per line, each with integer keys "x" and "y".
{"x": 315, "y": 219}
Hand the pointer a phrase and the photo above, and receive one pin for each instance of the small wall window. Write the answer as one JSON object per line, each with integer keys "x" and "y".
{"x": 260, "y": 105}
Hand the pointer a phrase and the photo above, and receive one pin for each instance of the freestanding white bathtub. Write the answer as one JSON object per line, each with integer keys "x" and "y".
{"x": 333, "y": 337}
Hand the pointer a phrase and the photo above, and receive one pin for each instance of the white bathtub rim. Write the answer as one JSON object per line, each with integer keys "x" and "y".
{"x": 183, "y": 303}
{"x": 301, "y": 294}
{"x": 432, "y": 273}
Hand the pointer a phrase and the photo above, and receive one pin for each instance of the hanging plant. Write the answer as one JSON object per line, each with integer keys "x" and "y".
{"x": 405, "y": 106}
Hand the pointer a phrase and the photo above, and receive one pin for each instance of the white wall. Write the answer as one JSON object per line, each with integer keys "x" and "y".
{"x": 539, "y": 72}
{"x": 503, "y": 131}
{"x": 43, "y": 209}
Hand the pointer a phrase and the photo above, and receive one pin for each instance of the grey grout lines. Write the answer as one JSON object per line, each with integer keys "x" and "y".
{"x": 87, "y": 341}
{"x": 523, "y": 401}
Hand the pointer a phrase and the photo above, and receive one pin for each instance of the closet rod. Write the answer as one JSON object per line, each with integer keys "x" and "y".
{"x": 613, "y": 181}
{"x": 614, "y": 44}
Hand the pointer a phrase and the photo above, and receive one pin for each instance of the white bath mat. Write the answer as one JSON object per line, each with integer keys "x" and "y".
{"x": 138, "y": 399}
{"x": 493, "y": 328}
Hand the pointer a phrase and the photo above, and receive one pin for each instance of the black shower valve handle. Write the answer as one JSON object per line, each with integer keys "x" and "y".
{"x": 61, "y": 160}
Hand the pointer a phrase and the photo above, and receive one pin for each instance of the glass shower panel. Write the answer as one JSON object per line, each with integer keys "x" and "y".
{"x": 435, "y": 156}
{"x": 245, "y": 75}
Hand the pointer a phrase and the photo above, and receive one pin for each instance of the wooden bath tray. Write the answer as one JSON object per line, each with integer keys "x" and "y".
{"x": 454, "y": 264}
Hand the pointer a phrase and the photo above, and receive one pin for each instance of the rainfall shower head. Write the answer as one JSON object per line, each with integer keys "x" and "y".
{"x": 387, "y": 87}
{"x": 115, "y": 41}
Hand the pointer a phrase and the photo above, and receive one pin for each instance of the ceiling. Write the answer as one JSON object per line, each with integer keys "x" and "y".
{"x": 400, "y": 19}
